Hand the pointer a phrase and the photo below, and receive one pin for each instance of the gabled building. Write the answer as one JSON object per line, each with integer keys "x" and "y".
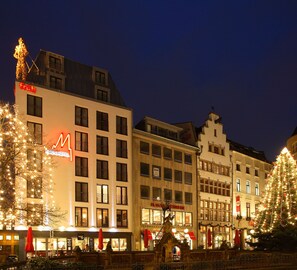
{"x": 77, "y": 112}
{"x": 164, "y": 181}
{"x": 250, "y": 168}
{"x": 214, "y": 181}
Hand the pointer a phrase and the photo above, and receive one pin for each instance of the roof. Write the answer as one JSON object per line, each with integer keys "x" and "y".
{"x": 78, "y": 78}
{"x": 249, "y": 151}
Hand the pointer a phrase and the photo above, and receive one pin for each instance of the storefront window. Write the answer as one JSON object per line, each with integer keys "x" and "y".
{"x": 157, "y": 216}
{"x": 119, "y": 244}
{"x": 145, "y": 216}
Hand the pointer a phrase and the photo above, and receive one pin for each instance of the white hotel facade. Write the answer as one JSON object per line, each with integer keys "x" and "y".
{"x": 77, "y": 112}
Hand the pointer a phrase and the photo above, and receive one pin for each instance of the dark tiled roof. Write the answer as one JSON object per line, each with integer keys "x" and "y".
{"x": 249, "y": 151}
{"x": 78, "y": 78}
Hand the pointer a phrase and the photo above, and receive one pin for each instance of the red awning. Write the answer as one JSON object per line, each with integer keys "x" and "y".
{"x": 192, "y": 235}
{"x": 149, "y": 235}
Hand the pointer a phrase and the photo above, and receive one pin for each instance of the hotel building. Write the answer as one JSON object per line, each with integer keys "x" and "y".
{"x": 77, "y": 112}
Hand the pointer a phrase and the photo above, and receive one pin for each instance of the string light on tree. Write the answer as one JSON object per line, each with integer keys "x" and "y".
{"x": 26, "y": 184}
{"x": 279, "y": 203}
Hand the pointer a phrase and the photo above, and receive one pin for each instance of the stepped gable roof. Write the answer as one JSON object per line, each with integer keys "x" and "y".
{"x": 249, "y": 151}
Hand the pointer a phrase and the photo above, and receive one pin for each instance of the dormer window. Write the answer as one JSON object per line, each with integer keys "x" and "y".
{"x": 100, "y": 77}
{"x": 102, "y": 95}
{"x": 55, "y": 63}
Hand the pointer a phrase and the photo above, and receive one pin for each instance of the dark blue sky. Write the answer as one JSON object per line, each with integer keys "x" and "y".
{"x": 174, "y": 60}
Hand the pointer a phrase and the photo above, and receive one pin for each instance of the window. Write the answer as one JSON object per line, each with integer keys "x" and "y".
{"x": 188, "y": 219}
{"x": 156, "y": 172}
{"x": 122, "y": 150}
{"x": 122, "y": 218}
{"x": 102, "y": 121}
{"x": 188, "y": 178}
{"x": 34, "y": 159}
{"x": 248, "y": 186}
{"x": 81, "y": 141}
{"x": 81, "y": 192}
{"x": 144, "y": 169}
{"x": 188, "y": 198}
{"x": 102, "y": 169}
{"x": 168, "y": 174}
{"x": 188, "y": 159}
{"x": 122, "y": 174}
{"x": 157, "y": 217}
{"x": 248, "y": 170}
{"x": 144, "y": 192}
{"x": 215, "y": 133}
{"x": 144, "y": 148}
{"x": 167, "y": 194}
{"x": 102, "y": 145}
{"x": 102, "y": 217}
{"x": 55, "y": 63}
{"x": 102, "y": 95}
{"x": 102, "y": 194}
{"x": 100, "y": 77}
{"x": 178, "y": 156}
{"x": 34, "y": 214}
{"x": 256, "y": 172}
{"x": 34, "y": 188}
{"x": 238, "y": 185}
{"x": 81, "y": 166}
{"x": 178, "y": 176}
{"x": 145, "y": 216}
{"x": 238, "y": 167}
{"x": 81, "y": 116}
{"x": 167, "y": 153}
{"x": 55, "y": 82}
{"x": 34, "y": 106}
{"x": 156, "y": 150}
{"x": 178, "y": 195}
{"x": 248, "y": 210}
{"x": 35, "y": 131}
{"x": 122, "y": 195}
{"x": 122, "y": 126}
{"x": 257, "y": 191}
{"x": 157, "y": 194}
{"x": 81, "y": 216}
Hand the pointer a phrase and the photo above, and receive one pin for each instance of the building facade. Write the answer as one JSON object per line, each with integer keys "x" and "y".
{"x": 164, "y": 180}
{"x": 77, "y": 112}
{"x": 214, "y": 182}
{"x": 250, "y": 168}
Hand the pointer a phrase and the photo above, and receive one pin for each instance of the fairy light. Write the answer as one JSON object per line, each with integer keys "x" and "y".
{"x": 27, "y": 178}
{"x": 280, "y": 195}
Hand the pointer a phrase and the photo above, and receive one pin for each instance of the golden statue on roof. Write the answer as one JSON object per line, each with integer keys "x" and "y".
{"x": 20, "y": 54}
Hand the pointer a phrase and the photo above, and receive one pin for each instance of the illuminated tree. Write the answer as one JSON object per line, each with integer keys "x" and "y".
{"x": 276, "y": 217}
{"x": 26, "y": 185}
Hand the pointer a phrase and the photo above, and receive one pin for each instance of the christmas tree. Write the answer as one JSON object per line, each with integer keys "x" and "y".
{"x": 26, "y": 184}
{"x": 276, "y": 216}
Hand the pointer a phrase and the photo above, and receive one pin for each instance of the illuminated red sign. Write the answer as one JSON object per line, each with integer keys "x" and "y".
{"x": 27, "y": 87}
{"x": 58, "y": 149}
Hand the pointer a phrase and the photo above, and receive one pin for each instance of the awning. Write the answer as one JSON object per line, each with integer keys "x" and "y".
{"x": 192, "y": 235}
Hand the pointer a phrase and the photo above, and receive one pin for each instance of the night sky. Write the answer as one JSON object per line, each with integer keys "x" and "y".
{"x": 175, "y": 60}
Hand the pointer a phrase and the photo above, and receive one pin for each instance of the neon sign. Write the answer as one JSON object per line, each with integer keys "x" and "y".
{"x": 57, "y": 149}
{"x": 27, "y": 87}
